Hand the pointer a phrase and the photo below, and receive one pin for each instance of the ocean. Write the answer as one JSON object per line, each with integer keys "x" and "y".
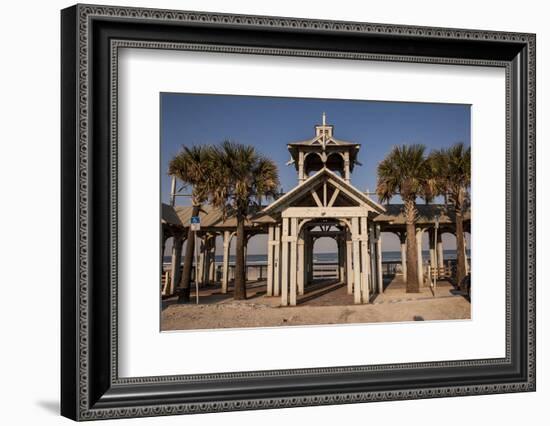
{"x": 387, "y": 256}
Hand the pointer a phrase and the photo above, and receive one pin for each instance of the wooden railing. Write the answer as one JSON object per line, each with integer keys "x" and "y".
{"x": 258, "y": 271}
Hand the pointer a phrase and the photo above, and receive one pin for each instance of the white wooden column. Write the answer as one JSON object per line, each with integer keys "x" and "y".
{"x": 245, "y": 261}
{"x": 346, "y": 166}
{"x": 207, "y": 258}
{"x": 301, "y": 172}
{"x": 175, "y": 274}
{"x": 306, "y": 256}
{"x": 379, "y": 259}
{"x": 342, "y": 258}
{"x": 356, "y": 261}
{"x": 270, "y": 246}
{"x": 439, "y": 251}
{"x": 301, "y": 264}
{"x": 284, "y": 262}
{"x": 431, "y": 236}
{"x": 225, "y": 266}
{"x": 310, "y": 259}
{"x": 349, "y": 261}
{"x": 293, "y": 260}
{"x": 419, "y": 233}
{"x": 277, "y": 260}
{"x": 212, "y": 269}
{"x": 365, "y": 261}
{"x": 403, "y": 241}
{"x": 199, "y": 271}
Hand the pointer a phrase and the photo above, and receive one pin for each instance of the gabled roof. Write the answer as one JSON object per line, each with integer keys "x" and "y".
{"x": 311, "y": 182}
{"x": 329, "y": 140}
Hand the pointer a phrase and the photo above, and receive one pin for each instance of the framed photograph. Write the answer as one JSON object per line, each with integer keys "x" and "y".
{"x": 263, "y": 212}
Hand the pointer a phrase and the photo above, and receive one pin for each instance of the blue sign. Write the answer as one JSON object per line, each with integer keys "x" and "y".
{"x": 195, "y": 223}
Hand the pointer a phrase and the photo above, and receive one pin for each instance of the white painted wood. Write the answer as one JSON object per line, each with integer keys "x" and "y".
{"x": 419, "y": 233}
{"x": 316, "y": 198}
{"x": 225, "y": 266}
{"x": 346, "y": 166}
{"x": 349, "y": 260}
{"x": 293, "y": 260}
{"x": 342, "y": 259}
{"x": 365, "y": 261}
{"x": 176, "y": 265}
{"x": 379, "y": 260}
{"x": 301, "y": 264}
{"x": 212, "y": 269}
{"x": 432, "y": 247}
{"x": 199, "y": 269}
{"x": 277, "y": 262}
{"x": 301, "y": 174}
{"x": 333, "y": 198}
{"x": 270, "y": 247}
{"x": 325, "y": 212}
{"x": 439, "y": 251}
{"x": 373, "y": 265}
{"x": 350, "y": 194}
{"x": 356, "y": 261}
{"x": 284, "y": 263}
{"x": 308, "y": 256}
{"x": 404, "y": 259}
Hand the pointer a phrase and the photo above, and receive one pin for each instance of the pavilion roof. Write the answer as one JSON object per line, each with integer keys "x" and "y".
{"x": 427, "y": 213}
{"x": 304, "y": 188}
{"x": 210, "y": 217}
{"x": 393, "y": 215}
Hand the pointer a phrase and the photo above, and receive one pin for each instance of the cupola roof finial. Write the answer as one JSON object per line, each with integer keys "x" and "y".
{"x": 324, "y": 119}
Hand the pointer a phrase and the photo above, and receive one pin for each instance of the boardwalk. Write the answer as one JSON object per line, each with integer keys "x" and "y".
{"x": 323, "y": 302}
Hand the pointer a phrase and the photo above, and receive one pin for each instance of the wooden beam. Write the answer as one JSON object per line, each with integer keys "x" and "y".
{"x": 333, "y": 198}
{"x": 269, "y": 291}
{"x": 356, "y": 261}
{"x": 349, "y": 260}
{"x": 325, "y": 212}
{"x": 284, "y": 263}
{"x": 293, "y": 261}
{"x": 316, "y": 198}
{"x": 348, "y": 193}
{"x": 365, "y": 262}
{"x": 277, "y": 261}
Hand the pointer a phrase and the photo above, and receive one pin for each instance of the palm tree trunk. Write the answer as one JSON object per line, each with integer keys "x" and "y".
{"x": 460, "y": 252}
{"x": 239, "y": 292}
{"x": 413, "y": 286}
{"x": 185, "y": 293}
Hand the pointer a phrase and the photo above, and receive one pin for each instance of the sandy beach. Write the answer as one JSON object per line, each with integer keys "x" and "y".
{"x": 333, "y": 307}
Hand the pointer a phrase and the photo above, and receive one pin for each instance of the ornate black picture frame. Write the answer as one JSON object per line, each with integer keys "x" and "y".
{"x": 91, "y": 388}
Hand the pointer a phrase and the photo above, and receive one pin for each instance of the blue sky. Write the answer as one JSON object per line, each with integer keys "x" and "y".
{"x": 271, "y": 123}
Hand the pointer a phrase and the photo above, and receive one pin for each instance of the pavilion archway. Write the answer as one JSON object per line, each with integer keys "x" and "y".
{"x": 392, "y": 256}
{"x": 311, "y": 269}
{"x": 255, "y": 254}
{"x": 313, "y": 162}
{"x": 325, "y": 254}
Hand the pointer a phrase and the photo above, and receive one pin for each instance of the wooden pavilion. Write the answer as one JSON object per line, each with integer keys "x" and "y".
{"x": 323, "y": 204}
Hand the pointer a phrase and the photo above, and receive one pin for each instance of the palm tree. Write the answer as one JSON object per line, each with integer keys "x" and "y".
{"x": 240, "y": 178}
{"x": 452, "y": 167}
{"x": 191, "y": 166}
{"x": 404, "y": 171}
